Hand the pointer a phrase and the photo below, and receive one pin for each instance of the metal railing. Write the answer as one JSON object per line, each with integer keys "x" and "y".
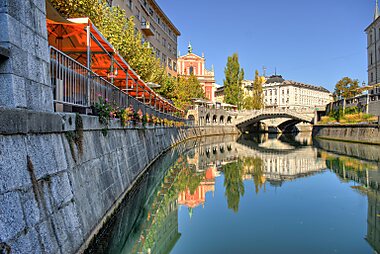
{"x": 76, "y": 85}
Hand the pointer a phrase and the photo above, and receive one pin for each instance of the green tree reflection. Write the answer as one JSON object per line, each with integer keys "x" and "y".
{"x": 255, "y": 167}
{"x": 233, "y": 183}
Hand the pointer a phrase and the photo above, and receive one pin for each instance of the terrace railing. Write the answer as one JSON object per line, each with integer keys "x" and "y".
{"x": 76, "y": 85}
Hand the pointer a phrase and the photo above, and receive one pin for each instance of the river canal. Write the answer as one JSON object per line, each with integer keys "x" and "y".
{"x": 252, "y": 194}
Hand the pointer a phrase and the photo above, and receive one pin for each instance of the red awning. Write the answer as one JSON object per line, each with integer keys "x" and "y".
{"x": 72, "y": 39}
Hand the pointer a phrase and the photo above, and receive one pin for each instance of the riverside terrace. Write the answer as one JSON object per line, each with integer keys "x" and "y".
{"x": 84, "y": 66}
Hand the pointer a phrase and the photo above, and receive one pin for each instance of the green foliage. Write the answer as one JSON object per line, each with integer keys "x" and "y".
{"x": 186, "y": 89}
{"x": 346, "y": 88}
{"x": 104, "y": 110}
{"x": 351, "y": 110}
{"x": 233, "y": 182}
{"x": 255, "y": 166}
{"x": 256, "y": 101}
{"x": 234, "y": 76}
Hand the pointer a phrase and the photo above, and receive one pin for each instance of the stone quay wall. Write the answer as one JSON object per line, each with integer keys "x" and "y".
{"x": 60, "y": 177}
{"x": 358, "y": 133}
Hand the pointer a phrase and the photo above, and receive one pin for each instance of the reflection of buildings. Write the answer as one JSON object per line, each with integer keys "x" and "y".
{"x": 192, "y": 200}
{"x": 367, "y": 174}
{"x": 373, "y": 220}
{"x": 279, "y": 161}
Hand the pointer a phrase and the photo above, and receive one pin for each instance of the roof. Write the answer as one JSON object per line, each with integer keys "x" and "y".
{"x": 279, "y": 79}
{"x": 299, "y": 84}
{"x": 275, "y": 79}
{"x": 160, "y": 11}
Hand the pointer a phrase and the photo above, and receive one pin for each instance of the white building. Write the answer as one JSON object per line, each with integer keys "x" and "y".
{"x": 287, "y": 94}
{"x": 373, "y": 51}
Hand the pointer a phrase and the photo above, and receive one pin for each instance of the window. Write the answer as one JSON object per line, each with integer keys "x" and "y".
{"x": 371, "y": 57}
{"x": 130, "y": 4}
{"x": 174, "y": 66}
{"x": 370, "y": 39}
{"x": 191, "y": 70}
{"x": 371, "y": 76}
{"x": 137, "y": 14}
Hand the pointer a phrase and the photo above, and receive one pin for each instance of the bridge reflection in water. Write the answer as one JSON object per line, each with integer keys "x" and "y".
{"x": 147, "y": 221}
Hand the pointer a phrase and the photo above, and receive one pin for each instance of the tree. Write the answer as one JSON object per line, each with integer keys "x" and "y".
{"x": 233, "y": 92}
{"x": 186, "y": 89}
{"x": 256, "y": 101}
{"x": 346, "y": 88}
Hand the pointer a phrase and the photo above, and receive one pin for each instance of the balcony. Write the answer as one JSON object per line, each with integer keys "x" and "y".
{"x": 147, "y": 29}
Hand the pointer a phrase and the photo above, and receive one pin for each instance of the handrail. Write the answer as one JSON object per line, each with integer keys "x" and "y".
{"x": 76, "y": 85}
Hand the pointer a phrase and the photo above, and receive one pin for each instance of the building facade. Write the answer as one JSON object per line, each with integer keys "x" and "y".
{"x": 219, "y": 94}
{"x": 373, "y": 51}
{"x": 156, "y": 29}
{"x": 192, "y": 64}
{"x": 287, "y": 94}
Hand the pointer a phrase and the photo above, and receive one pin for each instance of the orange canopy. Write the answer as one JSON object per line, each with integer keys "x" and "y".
{"x": 81, "y": 40}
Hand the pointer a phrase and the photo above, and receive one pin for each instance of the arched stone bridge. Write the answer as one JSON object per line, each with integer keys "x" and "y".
{"x": 246, "y": 119}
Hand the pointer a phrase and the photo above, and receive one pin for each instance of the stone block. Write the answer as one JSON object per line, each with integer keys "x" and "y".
{"x": 19, "y": 92}
{"x": 39, "y": 97}
{"x": 13, "y": 164}
{"x": 42, "y": 49}
{"x": 61, "y": 189}
{"x": 27, "y": 243}
{"x": 11, "y": 217}
{"x": 4, "y": 35}
{"x": 30, "y": 207}
{"x": 28, "y": 40}
{"x": 40, "y": 4}
{"x": 6, "y": 90}
{"x": 34, "y": 68}
{"x": 12, "y": 122}
{"x": 12, "y": 30}
{"x": 45, "y": 151}
{"x": 48, "y": 241}
{"x": 19, "y": 62}
{"x": 40, "y": 23}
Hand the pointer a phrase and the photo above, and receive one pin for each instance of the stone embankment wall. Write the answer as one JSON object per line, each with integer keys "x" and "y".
{"x": 366, "y": 133}
{"x": 60, "y": 177}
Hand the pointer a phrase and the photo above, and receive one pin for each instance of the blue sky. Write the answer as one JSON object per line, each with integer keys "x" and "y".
{"x": 315, "y": 42}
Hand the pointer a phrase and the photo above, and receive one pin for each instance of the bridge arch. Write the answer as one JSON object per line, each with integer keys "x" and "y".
{"x": 253, "y": 117}
{"x": 214, "y": 119}
{"x": 221, "y": 119}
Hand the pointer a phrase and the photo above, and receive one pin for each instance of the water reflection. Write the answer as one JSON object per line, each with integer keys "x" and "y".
{"x": 188, "y": 178}
{"x": 363, "y": 174}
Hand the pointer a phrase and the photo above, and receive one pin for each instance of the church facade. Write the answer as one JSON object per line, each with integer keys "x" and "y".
{"x": 192, "y": 64}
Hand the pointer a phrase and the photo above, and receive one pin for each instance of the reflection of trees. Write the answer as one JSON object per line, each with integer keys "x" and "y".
{"x": 188, "y": 178}
{"x": 233, "y": 182}
{"x": 180, "y": 177}
{"x": 255, "y": 167}
{"x": 347, "y": 163}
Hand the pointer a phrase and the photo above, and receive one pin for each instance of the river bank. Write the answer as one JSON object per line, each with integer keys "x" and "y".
{"x": 61, "y": 175}
{"x": 354, "y": 133}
